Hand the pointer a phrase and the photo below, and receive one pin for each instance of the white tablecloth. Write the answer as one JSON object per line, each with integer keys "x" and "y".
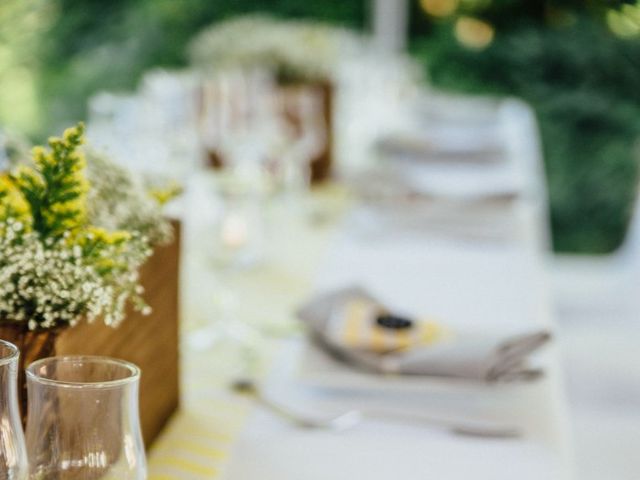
{"x": 490, "y": 286}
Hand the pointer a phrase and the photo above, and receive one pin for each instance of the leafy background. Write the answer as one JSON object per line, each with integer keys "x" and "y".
{"x": 561, "y": 56}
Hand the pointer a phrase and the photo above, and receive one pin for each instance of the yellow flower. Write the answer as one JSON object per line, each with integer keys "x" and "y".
{"x": 71, "y": 214}
{"x": 74, "y": 133}
{"x": 106, "y": 237}
{"x": 27, "y": 179}
{"x": 80, "y": 162}
{"x": 12, "y": 203}
{"x": 71, "y": 138}
{"x": 106, "y": 264}
{"x": 102, "y": 247}
{"x": 56, "y": 188}
{"x": 163, "y": 195}
{"x": 40, "y": 156}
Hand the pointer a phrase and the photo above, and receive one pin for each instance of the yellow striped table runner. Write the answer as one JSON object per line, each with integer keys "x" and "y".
{"x": 196, "y": 443}
{"x": 198, "y": 440}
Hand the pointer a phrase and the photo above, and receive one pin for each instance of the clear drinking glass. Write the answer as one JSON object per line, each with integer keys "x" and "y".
{"x": 83, "y": 420}
{"x": 13, "y": 454}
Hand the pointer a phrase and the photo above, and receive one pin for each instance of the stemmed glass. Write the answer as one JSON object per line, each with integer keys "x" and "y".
{"x": 83, "y": 420}
{"x": 231, "y": 242}
{"x": 302, "y": 109}
{"x": 13, "y": 454}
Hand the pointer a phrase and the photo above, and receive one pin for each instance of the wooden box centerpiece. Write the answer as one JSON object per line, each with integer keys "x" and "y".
{"x": 149, "y": 341}
{"x": 89, "y": 265}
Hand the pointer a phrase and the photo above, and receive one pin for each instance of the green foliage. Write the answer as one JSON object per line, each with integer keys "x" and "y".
{"x": 582, "y": 82}
{"x": 556, "y": 54}
{"x": 95, "y": 45}
{"x": 55, "y": 189}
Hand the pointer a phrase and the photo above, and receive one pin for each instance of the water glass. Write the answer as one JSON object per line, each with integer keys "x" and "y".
{"x": 13, "y": 454}
{"x": 83, "y": 420}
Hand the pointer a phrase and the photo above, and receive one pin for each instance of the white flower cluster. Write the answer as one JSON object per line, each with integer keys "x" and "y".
{"x": 297, "y": 49}
{"x": 47, "y": 285}
{"x": 123, "y": 281}
{"x": 118, "y": 200}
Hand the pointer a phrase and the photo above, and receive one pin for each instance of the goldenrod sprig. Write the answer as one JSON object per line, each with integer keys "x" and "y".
{"x": 56, "y": 267}
{"x": 12, "y": 203}
{"x": 56, "y": 188}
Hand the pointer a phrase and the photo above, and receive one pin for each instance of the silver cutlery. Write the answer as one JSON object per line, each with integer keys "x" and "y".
{"x": 351, "y": 418}
{"x": 340, "y": 422}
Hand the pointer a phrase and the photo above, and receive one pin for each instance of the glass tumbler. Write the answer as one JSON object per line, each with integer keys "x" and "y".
{"x": 83, "y": 420}
{"x": 13, "y": 454}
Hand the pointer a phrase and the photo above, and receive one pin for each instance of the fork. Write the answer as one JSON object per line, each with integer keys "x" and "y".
{"x": 352, "y": 418}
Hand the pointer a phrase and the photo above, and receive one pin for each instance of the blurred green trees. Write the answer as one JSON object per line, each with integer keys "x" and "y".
{"x": 22, "y": 23}
{"x": 96, "y": 44}
{"x": 559, "y": 55}
{"x": 581, "y": 79}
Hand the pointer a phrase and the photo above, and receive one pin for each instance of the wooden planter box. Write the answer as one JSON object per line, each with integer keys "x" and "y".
{"x": 151, "y": 342}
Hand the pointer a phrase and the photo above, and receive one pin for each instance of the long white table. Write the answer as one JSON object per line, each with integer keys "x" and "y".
{"x": 472, "y": 286}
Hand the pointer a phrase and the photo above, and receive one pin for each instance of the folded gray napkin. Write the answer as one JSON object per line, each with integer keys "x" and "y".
{"x": 470, "y": 357}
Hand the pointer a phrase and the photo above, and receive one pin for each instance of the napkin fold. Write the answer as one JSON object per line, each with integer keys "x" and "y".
{"x": 389, "y": 348}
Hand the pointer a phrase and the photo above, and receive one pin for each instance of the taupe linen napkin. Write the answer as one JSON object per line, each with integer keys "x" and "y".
{"x": 471, "y": 357}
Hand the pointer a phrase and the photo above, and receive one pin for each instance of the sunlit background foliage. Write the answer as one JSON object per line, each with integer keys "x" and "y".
{"x": 577, "y": 62}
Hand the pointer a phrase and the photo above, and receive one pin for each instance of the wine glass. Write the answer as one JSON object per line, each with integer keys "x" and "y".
{"x": 13, "y": 454}
{"x": 83, "y": 420}
{"x": 302, "y": 112}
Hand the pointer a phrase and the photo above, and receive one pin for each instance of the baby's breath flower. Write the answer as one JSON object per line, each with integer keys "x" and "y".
{"x": 118, "y": 200}
{"x": 297, "y": 50}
